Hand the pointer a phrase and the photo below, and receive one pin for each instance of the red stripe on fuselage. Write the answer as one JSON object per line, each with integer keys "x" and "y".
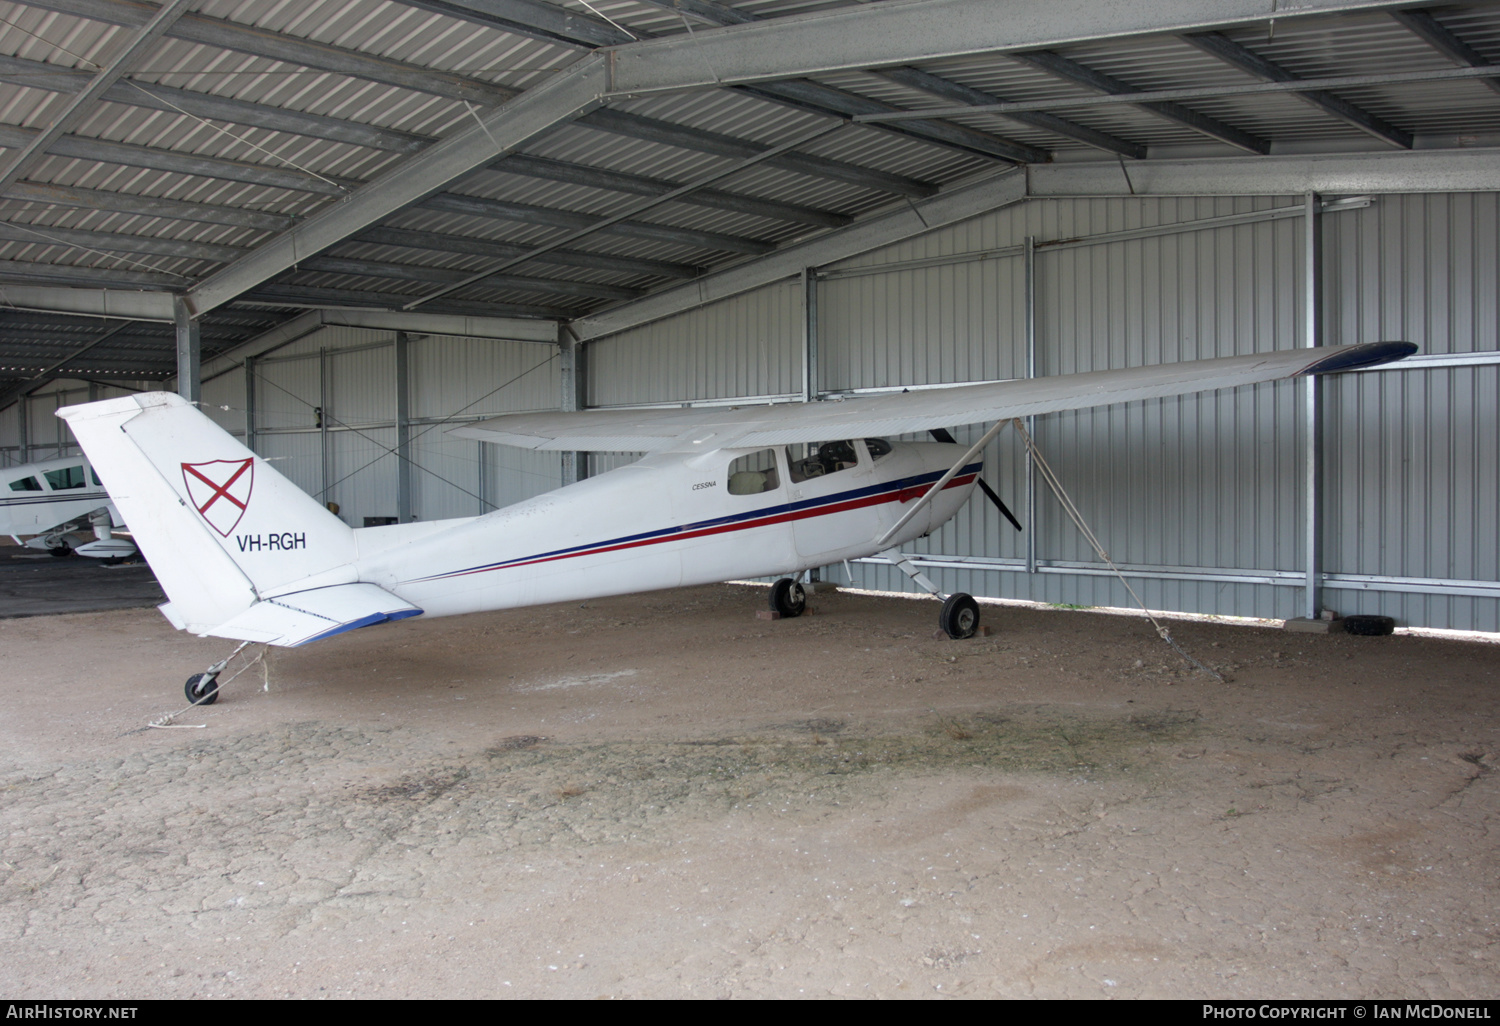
{"x": 780, "y": 518}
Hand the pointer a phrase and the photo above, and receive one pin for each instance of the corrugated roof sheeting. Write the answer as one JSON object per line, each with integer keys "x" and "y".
{"x": 582, "y": 144}
{"x": 378, "y": 100}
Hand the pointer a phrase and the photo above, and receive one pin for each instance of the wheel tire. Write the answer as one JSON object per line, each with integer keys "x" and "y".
{"x": 199, "y": 684}
{"x": 60, "y": 551}
{"x": 960, "y": 616}
{"x": 788, "y": 598}
{"x": 1370, "y": 626}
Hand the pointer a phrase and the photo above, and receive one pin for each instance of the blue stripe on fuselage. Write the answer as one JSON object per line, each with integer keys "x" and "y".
{"x": 899, "y": 485}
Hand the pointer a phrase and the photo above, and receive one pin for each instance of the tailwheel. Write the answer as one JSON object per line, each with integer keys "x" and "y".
{"x": 202, "y": 688}
{"x": 960, "y": 616}
{"x": 788, "y": 598}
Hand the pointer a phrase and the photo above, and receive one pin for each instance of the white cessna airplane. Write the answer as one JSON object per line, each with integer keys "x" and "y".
{"x": 53, "y": 498}
{"x": 722, "y": 493}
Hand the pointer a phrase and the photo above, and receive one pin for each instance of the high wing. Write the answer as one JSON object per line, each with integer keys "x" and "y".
{"x": 702, "y": 430}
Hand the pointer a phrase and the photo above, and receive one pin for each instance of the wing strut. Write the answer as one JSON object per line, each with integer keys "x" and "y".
{"x": 940, "y": 484}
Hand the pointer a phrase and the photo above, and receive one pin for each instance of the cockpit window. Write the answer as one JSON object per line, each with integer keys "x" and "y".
{"x": 67, "y": 477}
{"x": 878, "y": 447}
{"x": 820, "y": 460}
{"x": 753, "y": 474}
{"x": 94, "y": 475}
{"x": 26, "y": 484}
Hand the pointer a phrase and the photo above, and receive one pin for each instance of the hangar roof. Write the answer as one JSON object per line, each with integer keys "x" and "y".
{"x": 242, "y": 161}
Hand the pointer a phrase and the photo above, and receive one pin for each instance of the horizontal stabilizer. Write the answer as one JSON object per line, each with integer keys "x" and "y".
{"x": 303, "y": 616}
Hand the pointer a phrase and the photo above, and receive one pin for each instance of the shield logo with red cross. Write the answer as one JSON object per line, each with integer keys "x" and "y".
{"x": 220, "y": 490}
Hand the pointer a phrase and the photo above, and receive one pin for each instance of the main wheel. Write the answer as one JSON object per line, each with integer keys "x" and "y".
{"x": 960, "y": 616}
{"x": 201, "y": 684}
{"x": 788, "y": 598}
{"x": 61, "y": 550}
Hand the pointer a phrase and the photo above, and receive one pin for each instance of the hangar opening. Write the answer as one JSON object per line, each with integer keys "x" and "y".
{"x": 346, "y": 236}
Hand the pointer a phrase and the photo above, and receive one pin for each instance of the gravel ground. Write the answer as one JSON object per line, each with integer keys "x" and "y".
{"x": 662, "y": 796}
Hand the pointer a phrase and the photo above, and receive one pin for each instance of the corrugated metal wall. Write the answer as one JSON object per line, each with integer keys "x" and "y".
{"x": 1202, "y": 496}
{"x": 751, "y": 345}
{"x": 47, "y": 437}
{"x": 350, "y": 373}
{"x": 1412, "y": 477}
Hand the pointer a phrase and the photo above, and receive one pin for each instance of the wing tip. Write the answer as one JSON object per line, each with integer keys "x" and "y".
{"x": 1367, "y": 354}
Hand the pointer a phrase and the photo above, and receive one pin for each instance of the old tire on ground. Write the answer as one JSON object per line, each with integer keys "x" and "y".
{"x": 1370, "y": 626}
{"x": 960, "y": 616}
{"x": 200, "y": 684}
{"x": 788, "y": 598}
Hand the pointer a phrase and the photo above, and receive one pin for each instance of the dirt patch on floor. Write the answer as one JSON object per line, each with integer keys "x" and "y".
{"x": 663, "y": 796}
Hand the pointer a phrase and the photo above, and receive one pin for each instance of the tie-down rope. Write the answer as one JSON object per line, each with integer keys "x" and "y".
{"x": 217, "y": 668}
{"x": 1073, "y": 514}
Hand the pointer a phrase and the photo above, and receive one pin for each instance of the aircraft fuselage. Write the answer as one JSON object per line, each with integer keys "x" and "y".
{"x": 669, "y": 521}
{"x": 37, "y": 497}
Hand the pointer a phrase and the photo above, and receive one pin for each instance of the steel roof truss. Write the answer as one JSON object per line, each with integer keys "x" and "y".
{"x": 445, "y": 276}
{"x": 561, "y": 98}
{"x": 1424, "y": 25}
{"x": 36, "y": 381}
{"x": 1072, "y": 71}
{"x": 309, "y": 296}
{"x": 840, "y": 103}
{"x": 118, "y": 242}
{"x": 412, "y": 239}
{"x": 620, "y": 220}
{"x": 1227, "y": 50}
{"x": 232, "y": 35}
{"x": 585, "y": 32}
{"x": 915, "y": 78}
{"x": 635, "y": 126}
{"x": 720, "y": 14}
{"x": 640, "y": 185}
{"x": 530, "y": 18}
{"x": 863, "y": 36}
{"x": 479, "y": 206}
{"x": 151, "y": 96}
{"x": 144, "y": 206}
{"x": 22, "y": 162}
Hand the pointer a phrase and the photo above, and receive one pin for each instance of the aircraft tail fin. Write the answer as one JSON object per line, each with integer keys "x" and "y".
{"x": 221, "y": 527}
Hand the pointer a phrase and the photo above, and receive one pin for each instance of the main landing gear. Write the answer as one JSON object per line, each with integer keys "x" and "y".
{"x": 960, "y": 615}
{"x": 788, "y": 598}
{"x": 959, "y": 618}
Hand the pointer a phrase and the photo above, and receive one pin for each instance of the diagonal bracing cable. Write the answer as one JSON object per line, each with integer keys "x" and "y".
{"x": 1073, "y": 514}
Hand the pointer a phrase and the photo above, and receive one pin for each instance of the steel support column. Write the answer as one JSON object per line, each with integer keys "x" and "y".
{"x": 811, "y": 382}
{"x": 403, "y": 429}
{"x": 485, "y": 505}
{"x": 322, "y": 424}
{"x": 1029, "y": 256}
{"x": 250, "y": 403}
{"x": 572, "y": 379}
{"x": 189, "y": 353}
{"x": 1312, "y": 294}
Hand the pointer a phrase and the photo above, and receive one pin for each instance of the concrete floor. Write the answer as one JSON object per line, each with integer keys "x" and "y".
{"x": 33, "y": 583}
